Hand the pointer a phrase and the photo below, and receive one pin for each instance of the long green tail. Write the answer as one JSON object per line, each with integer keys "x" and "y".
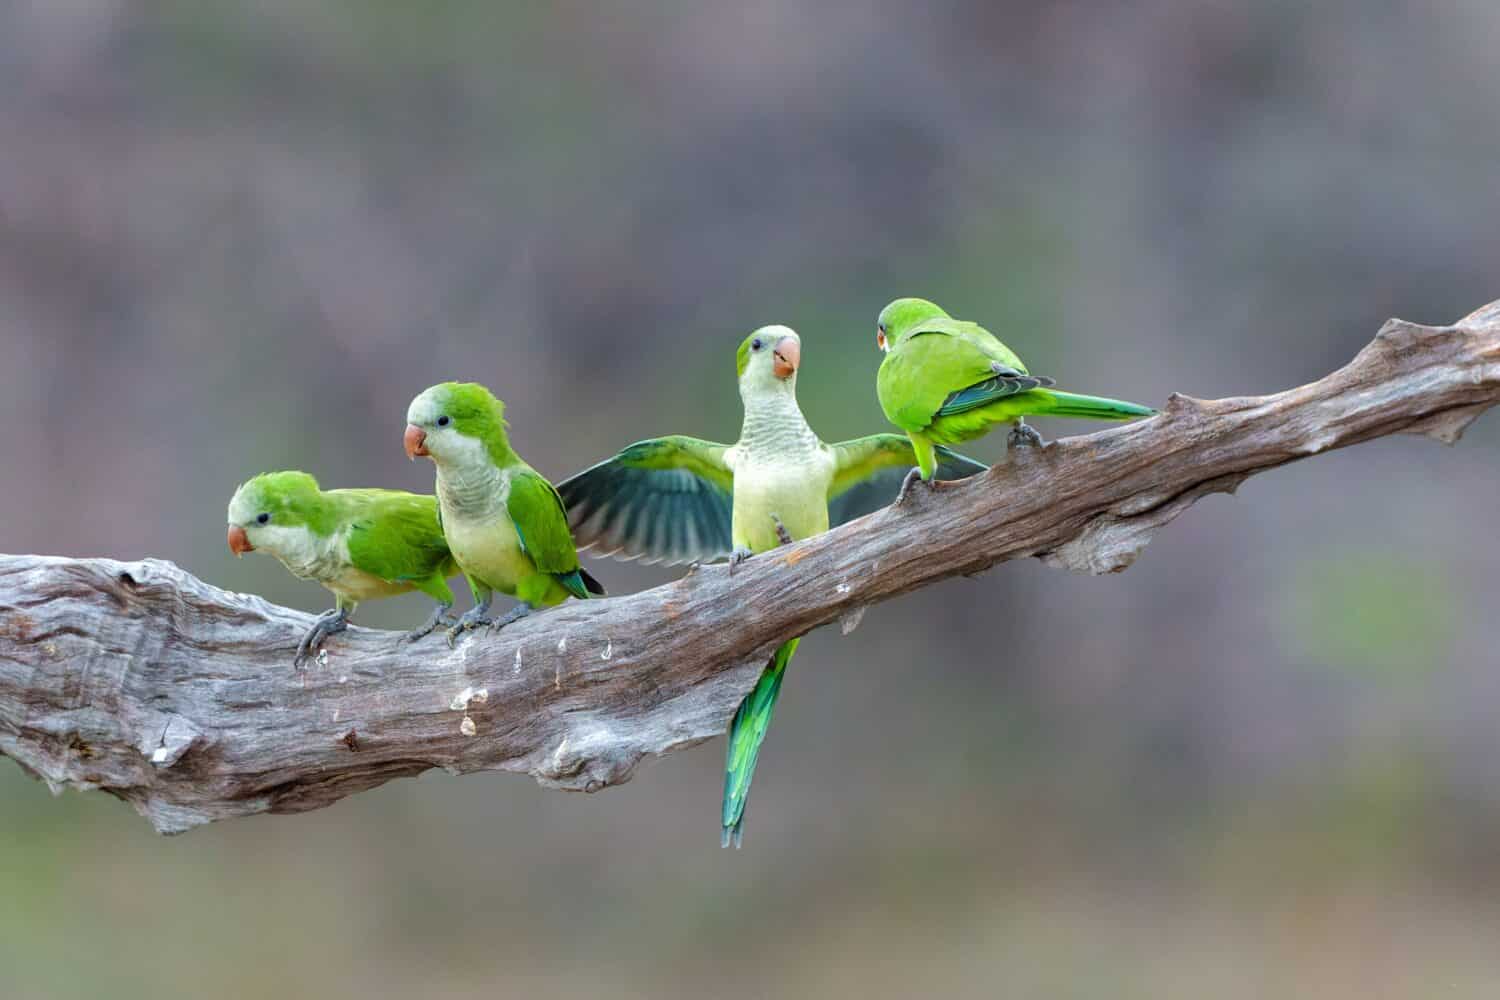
{"x": 746, "y": 733}
{"x": 1070, "y": 404}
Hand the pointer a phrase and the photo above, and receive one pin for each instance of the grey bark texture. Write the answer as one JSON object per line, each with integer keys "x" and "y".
{"x": 143, "y": 681}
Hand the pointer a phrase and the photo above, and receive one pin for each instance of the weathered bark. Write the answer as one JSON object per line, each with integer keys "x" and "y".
{"x": 180, "y": 698}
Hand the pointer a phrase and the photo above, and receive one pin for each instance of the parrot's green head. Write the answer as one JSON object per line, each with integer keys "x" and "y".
{"x": 767, "y": 361}
{"x": 277, "y": 512}
{"x": 457, "y": 424}
{"x": 902, "y": 315}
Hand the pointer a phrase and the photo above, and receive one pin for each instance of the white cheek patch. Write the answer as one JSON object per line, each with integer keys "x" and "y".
{"x": 457, "y": 449}
{"x": 293, "y": 544}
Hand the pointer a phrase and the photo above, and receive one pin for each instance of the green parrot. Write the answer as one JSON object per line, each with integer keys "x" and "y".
{"x": 360, "y": 544}
{"x": 504, "y": 522}
{"x": 679, "y": 499}
{"x": 945, "y": 380}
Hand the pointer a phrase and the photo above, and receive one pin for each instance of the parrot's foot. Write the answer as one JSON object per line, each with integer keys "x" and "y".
{"x": 476, "y": 617}
{"x": 328, "y": 623}
{"x": 912, "y": 478}
{"x": 440, "y": 616}
{"x": 782, "y": 535}
{"x": 738, "y": 556}
{"x": 1023, "y": 435}
{"x": 512, "y": 616}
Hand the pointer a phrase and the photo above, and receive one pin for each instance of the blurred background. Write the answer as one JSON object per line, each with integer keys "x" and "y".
{"x": 1264, "y": 762}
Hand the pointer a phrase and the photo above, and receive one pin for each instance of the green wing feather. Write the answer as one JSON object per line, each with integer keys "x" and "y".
{"x": 870, "y": 471}
{"x": 991, "y": 389}
{"x": 395, "y": 536}
{"x": 664, "y": 500}
{"x": 542, "y": 526}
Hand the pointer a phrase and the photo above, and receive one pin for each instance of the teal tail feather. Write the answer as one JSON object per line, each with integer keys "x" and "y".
{"x": 746, "y": 734}
{"x": 581, "y": 584}
{"x": 1070, "y": 404}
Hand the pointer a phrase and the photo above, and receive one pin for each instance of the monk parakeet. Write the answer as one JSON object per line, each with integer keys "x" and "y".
{"x": 945, "y": 380}
{"x": 679, "y": 499}
{"x": 504, "y": 522}
{"x": 360, "y": 544}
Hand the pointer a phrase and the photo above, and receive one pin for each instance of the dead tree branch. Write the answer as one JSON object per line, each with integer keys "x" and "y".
{"x": 138, "y": 679}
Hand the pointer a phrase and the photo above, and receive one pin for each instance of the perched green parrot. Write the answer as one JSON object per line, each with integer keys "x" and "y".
{"x": 679, "y": 499}
{"x": 945, "y": 380}
{"x": 360, "y": 544}
{"x": 504, "y": 522}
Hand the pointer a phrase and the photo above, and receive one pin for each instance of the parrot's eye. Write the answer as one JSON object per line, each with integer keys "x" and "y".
{"x": 756, "y": 344}
{"x": 442, "y": 421}
{"x": 264, "y": 518}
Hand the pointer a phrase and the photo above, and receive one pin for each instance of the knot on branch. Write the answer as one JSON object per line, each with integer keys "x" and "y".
{"x": 1180, "y": 406}
{"x": 587, "y": 759}
{"x": 166, "y": 746}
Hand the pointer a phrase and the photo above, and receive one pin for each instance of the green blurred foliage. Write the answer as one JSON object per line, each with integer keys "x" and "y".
{"x": 1372, "y": 611}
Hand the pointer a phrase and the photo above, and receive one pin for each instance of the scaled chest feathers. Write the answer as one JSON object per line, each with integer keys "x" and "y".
{"x": 480, "y": 532}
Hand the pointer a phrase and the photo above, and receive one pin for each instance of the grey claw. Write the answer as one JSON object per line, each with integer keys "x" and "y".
{"x": 514, "y": 615}
{"x": 329, "y": 623}
{"x": 468, "y": 623}
{"x": 439, "y": 617}
{"x": 736, "y": 557}
{"x": 912, "y": 478}
{"x": 1023, "y": 435}
{"x": 782, "y": 535}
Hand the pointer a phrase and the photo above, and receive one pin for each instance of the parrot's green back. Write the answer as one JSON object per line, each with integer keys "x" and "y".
{"x": 929, "y": 364}
{"x": 978, "y": 337}
{"x": 397, "y": 537}
{"x": 394, "y": 535}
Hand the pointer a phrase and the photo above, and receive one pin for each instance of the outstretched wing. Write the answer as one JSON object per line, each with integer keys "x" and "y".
{"x": 542, "y": 526}
{"x": 395, "y": 536}
{"x": 665, "y": 500}
{"x": 870, "y": 471}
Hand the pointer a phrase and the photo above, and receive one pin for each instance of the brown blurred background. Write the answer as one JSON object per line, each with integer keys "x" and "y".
{"x": 240, "y": 236}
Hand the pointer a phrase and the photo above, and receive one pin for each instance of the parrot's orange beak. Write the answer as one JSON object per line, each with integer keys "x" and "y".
{"x": 881, "y": 342}
{"x": 415, "y": 440}
{"x": 239, "y": 542}
{"x": 786, "y": 357}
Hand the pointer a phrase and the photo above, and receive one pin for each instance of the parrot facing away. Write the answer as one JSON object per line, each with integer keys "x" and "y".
{"x": 944, "y": 381}
{"x": 360, "y": 544}
{"x": 504, "y": 522}
{"x": 679, "y": 499}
